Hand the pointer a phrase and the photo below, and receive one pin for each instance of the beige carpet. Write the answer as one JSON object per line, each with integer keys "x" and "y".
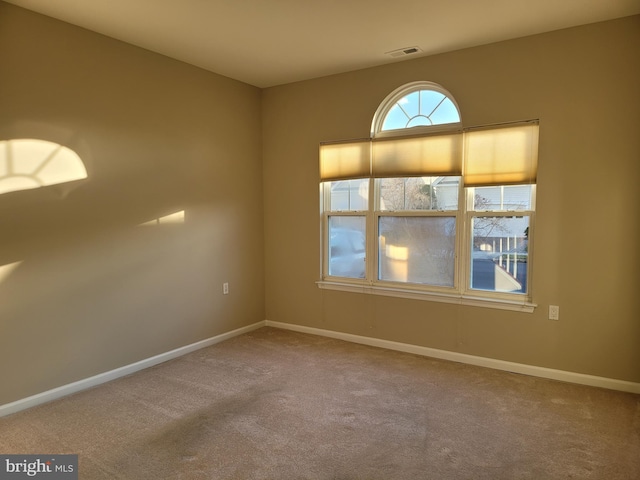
{"x": 274, "y": 404}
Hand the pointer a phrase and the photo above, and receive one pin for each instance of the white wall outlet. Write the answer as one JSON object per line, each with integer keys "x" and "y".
{"x": 225, "y": 288}
{"x": 554, "y": 312}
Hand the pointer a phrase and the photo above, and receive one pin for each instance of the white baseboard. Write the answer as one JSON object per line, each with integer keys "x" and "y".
{"x": 532, "y": 370}
{"x": 74, "y": 387}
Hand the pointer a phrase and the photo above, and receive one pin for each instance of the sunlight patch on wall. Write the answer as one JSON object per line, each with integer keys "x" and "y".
{"x": 172, "y": 218}
{"x": 30, "y": 163}
{"x": 6, "y": 270}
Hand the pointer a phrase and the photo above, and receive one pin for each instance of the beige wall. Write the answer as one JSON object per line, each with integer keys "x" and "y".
{"x": 94, "y": 291}
{"x": 583, "y": 85}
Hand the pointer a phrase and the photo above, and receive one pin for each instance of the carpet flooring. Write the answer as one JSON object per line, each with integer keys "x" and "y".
{"x": 275, "y": 404}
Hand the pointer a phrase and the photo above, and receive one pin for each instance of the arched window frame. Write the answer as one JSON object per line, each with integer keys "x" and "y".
{"x": 499, "y": 156}
{"x": 394, "y": 97}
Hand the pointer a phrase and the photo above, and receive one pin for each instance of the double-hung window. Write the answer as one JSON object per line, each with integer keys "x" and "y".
{"x": 428, "y": 209}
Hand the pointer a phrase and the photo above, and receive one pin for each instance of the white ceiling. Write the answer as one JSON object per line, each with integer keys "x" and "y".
{"x": 272, "y": 42}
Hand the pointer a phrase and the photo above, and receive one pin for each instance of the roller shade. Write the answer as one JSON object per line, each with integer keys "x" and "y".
{"x": 501, "y": 155}
{"x": 344, "y": 160}
{"x": 417, "y": 156}
{"x": 497, "y": 155}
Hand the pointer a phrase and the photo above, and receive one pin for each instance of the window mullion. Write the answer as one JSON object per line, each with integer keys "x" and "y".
{"x": 325, "y": 245}
{"x": 372, "y": 233}
{"x": 530, "y": 249}
{"x": 464, "y": 243}
{"x": 323, "y": 230}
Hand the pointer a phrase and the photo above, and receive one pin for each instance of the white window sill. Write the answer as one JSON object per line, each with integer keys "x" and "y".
{"x": 501, "y": 304}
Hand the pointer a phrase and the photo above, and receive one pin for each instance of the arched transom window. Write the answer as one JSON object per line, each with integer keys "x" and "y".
{"x": 418, "y": 104}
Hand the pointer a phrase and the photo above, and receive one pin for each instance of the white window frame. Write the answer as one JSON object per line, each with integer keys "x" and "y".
{"x": 461, "y": 291}
{"x": 465, "y": 273}
{"x": 378, "y": 213}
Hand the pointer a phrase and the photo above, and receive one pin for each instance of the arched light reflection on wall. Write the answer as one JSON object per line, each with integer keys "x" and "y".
{"x": 28, "y": 163}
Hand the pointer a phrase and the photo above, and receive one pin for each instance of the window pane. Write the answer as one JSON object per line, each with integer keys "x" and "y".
{"x": 429, "y": 101}
{"x": 417, "y": 250}
{"x": 395, "y": 119}
{"x": 347, "y": 246}
{"x": 411, "y": 104}
{"x": 505, "y": 197}
{"x": 445, "y": 113}
{"x": 419, "y": 193}
{"x": 349, "y": 195}
{"x": 500, "y": 254}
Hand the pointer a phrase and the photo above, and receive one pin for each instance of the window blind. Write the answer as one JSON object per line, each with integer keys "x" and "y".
{"x": 417, "y": 156}
{"x": 503, "y": 155}
{"x": 345, "y": 160}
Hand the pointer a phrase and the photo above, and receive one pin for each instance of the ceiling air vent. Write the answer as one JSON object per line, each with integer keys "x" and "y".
{"x": 403, "y": 52}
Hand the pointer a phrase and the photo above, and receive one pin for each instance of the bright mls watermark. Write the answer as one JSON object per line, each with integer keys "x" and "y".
{"x": 50, "y": 467}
